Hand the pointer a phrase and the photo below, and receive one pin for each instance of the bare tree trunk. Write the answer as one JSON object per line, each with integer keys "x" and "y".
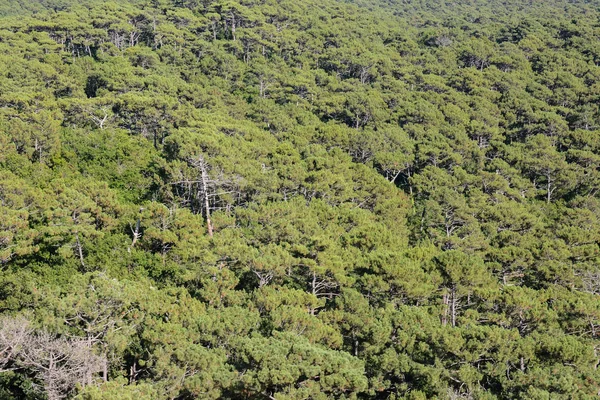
{"x": 200, "y": 164}
{"x": 79, "y": 248}
{"x": 233, "y": 26}
{"x": 522, "y": 364}
{"x": 445, "y": 316}
{"x": 136, "y": 235}
{"x": 105, "y": 366}
{"x": 206, "y": 202}
{"x": 314, "y": 290}
{"x": 132, "y": 373}
{"x": 453, "y": 305}
{"x": 38, "y": 149}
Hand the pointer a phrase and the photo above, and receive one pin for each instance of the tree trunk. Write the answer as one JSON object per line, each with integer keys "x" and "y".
{"x": 233, "y": 26}
{"x": 549, "y": 189}
{"x": 314, "y": 290}
{"x": 79, "y": 248}
{"x": 453, "y": 305}
{"x": 204, "y": 176}
{"x": 446, "y": 300}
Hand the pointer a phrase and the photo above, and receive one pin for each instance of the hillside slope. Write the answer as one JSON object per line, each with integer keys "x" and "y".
{"x": 299, "y": 200}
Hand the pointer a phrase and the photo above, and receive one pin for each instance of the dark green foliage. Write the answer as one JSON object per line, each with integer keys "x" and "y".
{"x": 299, "y": 199}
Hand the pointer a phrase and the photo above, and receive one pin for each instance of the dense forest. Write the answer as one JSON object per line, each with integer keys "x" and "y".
{"x": 299, "y": 199}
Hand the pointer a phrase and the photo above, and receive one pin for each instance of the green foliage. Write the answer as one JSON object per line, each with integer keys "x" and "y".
{"x": 301, "y": 199}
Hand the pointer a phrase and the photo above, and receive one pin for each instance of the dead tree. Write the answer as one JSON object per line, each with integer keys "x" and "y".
{"x": 14, "y": 333}
{"x": 135, "y": 232}
{"x": 200, "y": 164}
{"x": 100, "y": 120}
{"x": 58, "y": 363}
{"x": 206, "y": 189}
{"x": 79, "y": 248}
{"x": 264, "y": 277}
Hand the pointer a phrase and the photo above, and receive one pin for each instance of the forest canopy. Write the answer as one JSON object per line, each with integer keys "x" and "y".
{"x": 299, "y": 199}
